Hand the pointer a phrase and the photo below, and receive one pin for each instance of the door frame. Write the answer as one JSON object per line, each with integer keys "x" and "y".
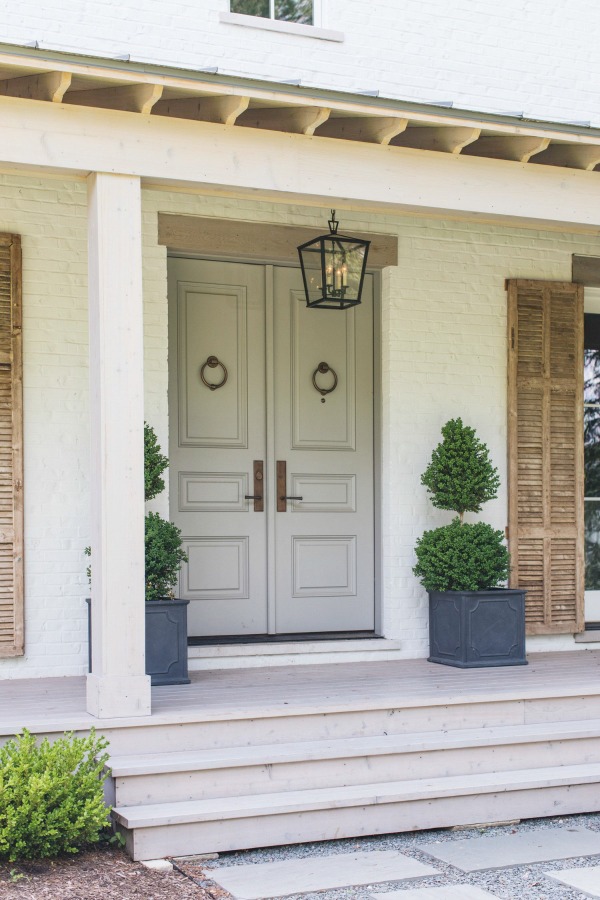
{"x": 377, "y": 428}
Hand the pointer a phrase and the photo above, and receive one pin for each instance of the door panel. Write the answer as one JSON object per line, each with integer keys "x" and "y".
{"x": 322, "y": 545}
{"x": 325, "y": 541}
{"x": 218, "y": 309}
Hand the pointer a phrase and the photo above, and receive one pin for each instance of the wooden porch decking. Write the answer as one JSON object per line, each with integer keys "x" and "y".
{"x": 58, "y": 704}
{"x": 258, "y": 757}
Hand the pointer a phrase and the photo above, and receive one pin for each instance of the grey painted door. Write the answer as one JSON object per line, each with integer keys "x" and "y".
{"x": 298, "y": 565}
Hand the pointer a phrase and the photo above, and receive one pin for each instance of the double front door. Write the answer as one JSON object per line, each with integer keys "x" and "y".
{"x": 271, "y": 452}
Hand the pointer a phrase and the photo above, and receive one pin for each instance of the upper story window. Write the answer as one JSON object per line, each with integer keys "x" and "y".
{"x": 300, "y": 11}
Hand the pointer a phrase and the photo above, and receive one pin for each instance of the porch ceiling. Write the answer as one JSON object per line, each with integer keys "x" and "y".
{"x": 58, "y": 78}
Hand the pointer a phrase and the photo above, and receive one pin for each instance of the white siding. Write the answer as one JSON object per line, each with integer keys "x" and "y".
{"x": 537, "y": 57}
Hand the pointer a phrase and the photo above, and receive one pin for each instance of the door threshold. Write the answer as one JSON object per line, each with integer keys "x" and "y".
{"x": 350, "y": 648}
{"x": 217, "y": 640}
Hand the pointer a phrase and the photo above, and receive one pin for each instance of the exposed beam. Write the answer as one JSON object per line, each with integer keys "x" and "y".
{"x": 300, "y": 120}
{"x": 518, "y": 147}
{"x": 46, "y": 86}
{"x": 372, "y": 129}
{"x": 221, "y": 110}
{"x": 444, "y": 140}
{"x": 199, "y": 156}
{"x": 573, "y": 156}
{"x": 138, "y": 98}
{"x": 257, "y": 240}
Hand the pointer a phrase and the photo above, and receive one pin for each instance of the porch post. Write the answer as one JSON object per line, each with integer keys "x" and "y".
{"x": 118, "y": 685}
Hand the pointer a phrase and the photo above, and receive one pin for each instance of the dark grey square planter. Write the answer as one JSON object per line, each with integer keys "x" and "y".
{"x": 166, "y": 641}
{"x": 475, "y": 629}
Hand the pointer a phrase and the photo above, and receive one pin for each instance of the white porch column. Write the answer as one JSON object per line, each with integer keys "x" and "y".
{"x": 118, "y": 685}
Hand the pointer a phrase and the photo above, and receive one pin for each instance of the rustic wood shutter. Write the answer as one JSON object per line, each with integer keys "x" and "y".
{"x": 11, "y": 449}
{"x": 545, "y": 452}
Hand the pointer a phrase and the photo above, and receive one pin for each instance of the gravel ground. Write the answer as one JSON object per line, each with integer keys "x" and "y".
{"x": 516, "y": 883}
{"x": 108, "y": 874}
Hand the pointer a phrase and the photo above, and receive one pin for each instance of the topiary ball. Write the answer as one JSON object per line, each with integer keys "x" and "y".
{"x": 462, "y": 558}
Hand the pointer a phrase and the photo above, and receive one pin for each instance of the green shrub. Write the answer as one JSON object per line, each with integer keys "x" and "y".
{"x": 459, "y": 557}
{"x": 460, "y": 476}
{"x": 154, "y": 464}
{"x": 163, "y": 556}
{"x": 51, "y": 798}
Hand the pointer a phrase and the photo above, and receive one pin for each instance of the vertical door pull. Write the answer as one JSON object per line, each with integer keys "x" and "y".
{"x": 258, "y": 495}
{"x": 282, "y": 497}
{"x": 281, "y": 485}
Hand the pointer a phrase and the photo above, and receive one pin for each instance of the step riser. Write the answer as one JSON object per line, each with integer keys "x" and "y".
{"x": 330, "y": 824}
{"x": 303, "y": 775}
{"x": 202, "y": 735}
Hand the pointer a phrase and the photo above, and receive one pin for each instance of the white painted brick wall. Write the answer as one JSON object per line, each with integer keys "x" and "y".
{"x": 537, "y": 57}
{"x": 443, "y": 355}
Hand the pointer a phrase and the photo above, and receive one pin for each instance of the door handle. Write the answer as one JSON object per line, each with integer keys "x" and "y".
{"x": 282, "y": 497}
{"x": 257, "y": 496}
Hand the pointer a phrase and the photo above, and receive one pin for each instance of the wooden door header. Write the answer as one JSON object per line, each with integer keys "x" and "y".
{"x": 230, "y": 239}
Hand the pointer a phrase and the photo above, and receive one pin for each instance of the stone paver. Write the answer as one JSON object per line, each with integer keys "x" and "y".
{"x": 447, "y": 892}
{"x": 585, "y": 880}
{"x": 476, "y": 854}
{"x": 293, "y": 876}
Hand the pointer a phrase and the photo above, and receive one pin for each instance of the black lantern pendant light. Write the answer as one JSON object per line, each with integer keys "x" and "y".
{"x": 333, "y": 268}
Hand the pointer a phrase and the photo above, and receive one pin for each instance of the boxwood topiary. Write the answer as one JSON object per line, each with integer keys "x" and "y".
{"x": 51, "y": 795}
{"x": 459, "y": 556}
{"x": 164, "y": 556}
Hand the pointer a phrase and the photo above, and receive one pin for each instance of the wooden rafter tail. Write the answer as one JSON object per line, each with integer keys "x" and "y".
{"x": 50, "y": 86}
{"x": 374, "y": 129}
{"x": 517, "y": 147}
{"x": 139, "y": 98}
{"x": 442, "y": 140}
{"x": 219, "y": 110}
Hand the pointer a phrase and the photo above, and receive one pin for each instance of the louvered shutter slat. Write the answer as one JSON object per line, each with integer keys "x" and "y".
{"x": 546, "y": 452}
{"x": 11, "y": 449}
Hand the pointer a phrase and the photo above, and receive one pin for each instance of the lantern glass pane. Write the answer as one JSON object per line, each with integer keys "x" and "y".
{"x": 310, "y": 260}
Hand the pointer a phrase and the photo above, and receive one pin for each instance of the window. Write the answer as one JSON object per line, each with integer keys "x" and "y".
{"x": 591, "y": 430}
{"x": 300, "y": 11}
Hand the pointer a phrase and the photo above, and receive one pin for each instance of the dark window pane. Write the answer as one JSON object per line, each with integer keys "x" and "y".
{"x": 591, "y": 376}
{"x": 251, "y": 7}
{"x": 591, "y": 451}
{"x": 592, "y": 545}
{"x": 294, "y": 11}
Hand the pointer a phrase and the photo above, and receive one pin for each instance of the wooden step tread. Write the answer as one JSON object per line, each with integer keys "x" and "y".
{"x": 342, "y": 748}
{"x": 188, "y": 811}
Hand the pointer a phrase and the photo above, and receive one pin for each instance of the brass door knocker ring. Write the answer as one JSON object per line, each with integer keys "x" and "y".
{"x": 212, "y": 362}
{"x": 322, "y": 369}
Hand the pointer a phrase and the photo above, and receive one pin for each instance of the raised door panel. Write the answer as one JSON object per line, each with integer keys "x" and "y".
{"x": 324, "y": 540}
{"x": 213, "y": 398}
{"x": 322, "y": 421}
{"x": 218, "y": 309}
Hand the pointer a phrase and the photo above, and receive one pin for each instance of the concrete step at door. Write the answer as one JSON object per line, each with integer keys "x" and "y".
{"x": 233, "y": 823}
{"x": 244, "y": 771}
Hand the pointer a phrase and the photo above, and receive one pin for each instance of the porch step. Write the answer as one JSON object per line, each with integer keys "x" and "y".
{"x": 234, "y": 771}
{"x": 230, "y": 823}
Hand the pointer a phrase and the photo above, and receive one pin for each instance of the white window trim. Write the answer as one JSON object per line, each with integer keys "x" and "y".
{"x": 313, "y": 31}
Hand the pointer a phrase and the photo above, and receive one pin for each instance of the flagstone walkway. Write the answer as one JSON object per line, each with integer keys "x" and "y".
{"x": 544, "y": 859}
